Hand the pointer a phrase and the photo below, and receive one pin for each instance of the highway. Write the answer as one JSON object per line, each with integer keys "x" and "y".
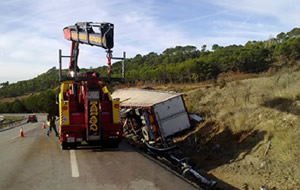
{"x": 37, "y": 162}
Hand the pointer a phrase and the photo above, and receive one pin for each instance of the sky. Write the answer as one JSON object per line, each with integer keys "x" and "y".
{"x": 31, "y": 31}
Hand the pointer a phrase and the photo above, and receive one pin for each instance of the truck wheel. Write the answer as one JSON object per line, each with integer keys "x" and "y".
{"x": 64, "y": 146}
{"x": 73, "y": 146}
{"x": 145, "y": 133}
{"x": 115, "y": 145}
{"x": 111, "y": 144}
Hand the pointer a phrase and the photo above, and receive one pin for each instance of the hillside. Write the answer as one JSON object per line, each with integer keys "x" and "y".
{"x": 183, "y": 64}
{"x": 40, "y": 83}
{"x": 250, "y": 136}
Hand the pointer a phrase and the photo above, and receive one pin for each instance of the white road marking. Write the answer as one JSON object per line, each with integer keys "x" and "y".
{"x": 74, "y": 165}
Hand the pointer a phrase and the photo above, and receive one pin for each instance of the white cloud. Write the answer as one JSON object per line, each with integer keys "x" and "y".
{"x": 35, "y": 42}
{"x": 24, "y": 55}
{"x": 286, "y": 12}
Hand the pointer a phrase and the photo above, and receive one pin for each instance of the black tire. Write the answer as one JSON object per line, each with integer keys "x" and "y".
{"x": 111, "y": 144}
{"x": 64, "y": 146}
{"x": 73, "y": 146}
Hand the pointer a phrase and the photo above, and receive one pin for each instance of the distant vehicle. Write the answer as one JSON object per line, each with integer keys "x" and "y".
{"x": 31, "y": 118}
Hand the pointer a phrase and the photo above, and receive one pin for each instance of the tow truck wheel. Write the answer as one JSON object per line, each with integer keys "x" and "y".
{"x": 111, "y": 144}
{"x": 73, "y": 146}
{"x": 64, "y": 146}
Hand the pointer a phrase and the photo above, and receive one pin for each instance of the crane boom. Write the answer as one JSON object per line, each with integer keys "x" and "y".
{"x": 98, "y": 34}
{"x": 89, "y": 33}
{"x": 94, "y": 34}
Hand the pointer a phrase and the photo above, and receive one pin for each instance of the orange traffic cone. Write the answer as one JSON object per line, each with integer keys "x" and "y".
{"x": 44, "y": 126}
{"x": 21, "y": 132}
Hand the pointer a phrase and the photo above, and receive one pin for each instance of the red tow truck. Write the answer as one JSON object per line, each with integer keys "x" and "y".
{"x": 87, "y": 112}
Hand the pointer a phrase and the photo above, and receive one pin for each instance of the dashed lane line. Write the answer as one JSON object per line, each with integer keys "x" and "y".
{"x": 74, "y": 165}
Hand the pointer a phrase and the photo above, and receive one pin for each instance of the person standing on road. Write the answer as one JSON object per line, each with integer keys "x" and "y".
{"x": 52, "y": 124}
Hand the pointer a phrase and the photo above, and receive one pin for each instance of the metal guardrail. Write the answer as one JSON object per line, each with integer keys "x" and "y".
{"x": 181, "y": 164}
{"x": 10, "y": 122}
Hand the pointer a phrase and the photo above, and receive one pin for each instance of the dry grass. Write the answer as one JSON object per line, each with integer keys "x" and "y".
{"x": 247, "y": 114}
{"x": 243, "y": 114}
{"x": 3, "y": 100}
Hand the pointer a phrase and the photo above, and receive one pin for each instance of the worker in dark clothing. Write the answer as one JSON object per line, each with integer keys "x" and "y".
{"x": 52, "y": 124}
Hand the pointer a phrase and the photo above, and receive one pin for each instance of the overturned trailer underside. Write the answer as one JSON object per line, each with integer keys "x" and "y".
{"x": 152, "y": 116}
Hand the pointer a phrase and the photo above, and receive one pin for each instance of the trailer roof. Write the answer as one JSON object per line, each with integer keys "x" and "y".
{"x": 142, "y": 97}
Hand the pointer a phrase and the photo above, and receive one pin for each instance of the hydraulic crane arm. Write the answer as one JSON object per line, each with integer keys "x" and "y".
{"x": 94, "y": 34}
{"x": 98, "y": 34}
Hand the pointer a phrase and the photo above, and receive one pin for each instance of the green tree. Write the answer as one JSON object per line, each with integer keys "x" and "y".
{"x": 215, "y": 47}
{"x": 17, "y": 107}
{"x": 203, "y": 48}
{"x": 5, "y": 107}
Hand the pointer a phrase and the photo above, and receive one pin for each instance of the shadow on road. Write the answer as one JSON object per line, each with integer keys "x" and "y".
{"x": 123, "y": 147}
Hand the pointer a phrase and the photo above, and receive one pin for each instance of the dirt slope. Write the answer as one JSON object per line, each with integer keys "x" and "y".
{"x": 250, "y": 137}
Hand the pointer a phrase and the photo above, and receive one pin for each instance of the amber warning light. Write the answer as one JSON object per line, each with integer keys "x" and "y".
{"x": 67, "y": 33}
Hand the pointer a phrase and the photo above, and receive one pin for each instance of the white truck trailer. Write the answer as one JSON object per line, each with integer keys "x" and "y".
{"x": 150, "y": 115}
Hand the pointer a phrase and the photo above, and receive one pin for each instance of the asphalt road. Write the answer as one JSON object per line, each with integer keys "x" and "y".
{"x": 37, "y": 162}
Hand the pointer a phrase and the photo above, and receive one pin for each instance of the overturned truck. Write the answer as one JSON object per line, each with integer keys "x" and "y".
{"x": 152, "y": 116}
